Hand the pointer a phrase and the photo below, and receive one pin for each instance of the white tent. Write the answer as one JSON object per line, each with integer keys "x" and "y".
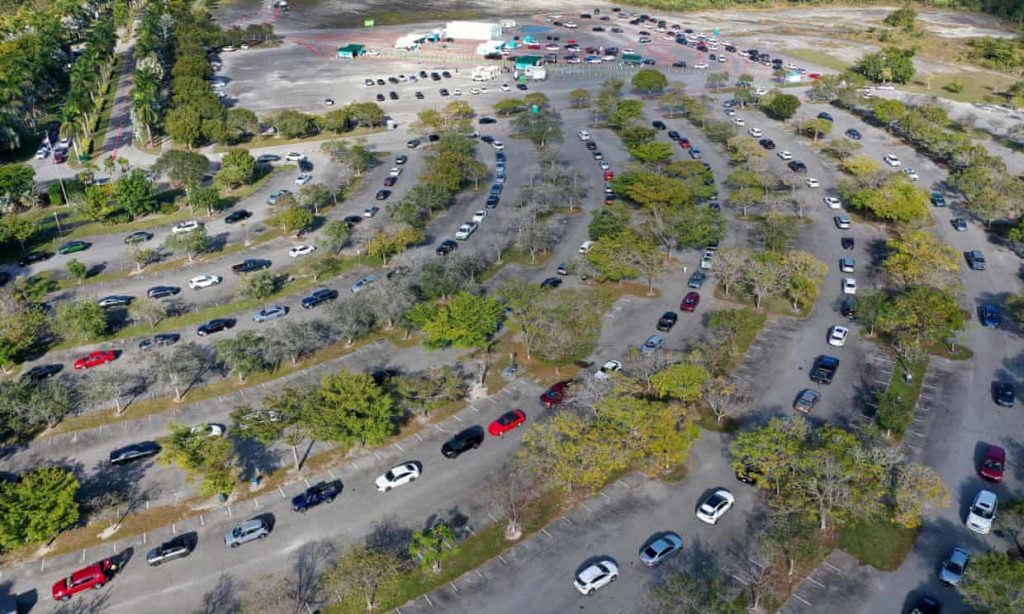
{"x": 472, "y": 30}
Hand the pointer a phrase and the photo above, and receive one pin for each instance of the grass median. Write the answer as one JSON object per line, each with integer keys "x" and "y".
{"x": 880, "y": 543}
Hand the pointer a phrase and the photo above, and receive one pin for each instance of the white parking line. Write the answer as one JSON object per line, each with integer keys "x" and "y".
{"x": 586, "y": 507}
{"x": 815, "y": 581}
{"x": 739, "y": 579}
{"x": 399, "y": 446}
{"x": 801, "y": 599}
{"x": 833, "y": 567}
{"x": 454, "y": 588}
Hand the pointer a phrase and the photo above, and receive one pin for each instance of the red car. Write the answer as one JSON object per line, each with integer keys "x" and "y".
{"x": 992, "y": 467}
{"x": 94, "y": 576}
{"x": 814, "y": 76}
{"x": 94, "y": 359}
{"x": 684, "y": 143}
{"x": 508, "y": 421}
{"x": 690, "y": 302}
{"x": 555, "y": 394}
{"x": 390, "y": 181}
{"x": 609, "y": 175}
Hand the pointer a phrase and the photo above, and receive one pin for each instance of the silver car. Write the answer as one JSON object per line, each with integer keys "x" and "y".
{"x": 659, "y": 549}
{"x": 272, "y": 312}
{"x": 250, "y": 530}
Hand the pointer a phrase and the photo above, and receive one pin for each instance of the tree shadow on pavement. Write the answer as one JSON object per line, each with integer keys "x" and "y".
{"x": 223, "y": 599}
{"x": 389, "y": 536}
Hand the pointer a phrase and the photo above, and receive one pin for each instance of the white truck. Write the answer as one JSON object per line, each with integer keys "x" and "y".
{"x": 485, "y": 73}
{"x": 535, "y": 73}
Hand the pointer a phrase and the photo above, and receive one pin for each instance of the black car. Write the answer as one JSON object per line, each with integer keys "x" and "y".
{"x": 321, "y": 492}
{"x": 352, "y": 220}
{"x": 649, "y": 62}
{"x": 767, "y": 144}
{"x": 926, "y": 605}
{"x": 268, "y": 158}
{"x": 591, "y": 145}
{"x": 488, "y": 120}
{"x": 435, "y": 76}
{"x": 138, "y": 237}
{"x": 382, "y": 375}
{"x": 380, "y": 97}
{"x": 35, "y": 257}
{"x": 825, "y": 116}
{"x": 658, "y": 124}
{"x": 853, "y": 134}
{"x": 393, "y": 95}
{"x": 697, "y": 279}
{"x": 521, "y": 86}
{"x": 433, "y": 138}
{"x": 382, "y": 194}
{"x": 423, "y": 74}
{"x": 162, "y": 291}
{"x": 419, "y": 95}
{"x": 401, "y": 159}
{"x": 551, "y": 282}
{"x": 446, "y": 74}
{"x": 675, "y": 136}
{"x": 381, "y": 82}
{"x": 848, "y": 308}
{"x": 250, "y": 264}
{"x": 237, "y": 216}
{"x": 215, "y": 326}
{"x": 413, "y": 143}
{"x": 305, "y": 165}
{"x": 446, "y": 247}
{"x": 393, "y": 80}
{"x": 134, "y": 452}
{"x": 667, "y": 321}
{"x": 1003, "y": 394}
{"x": 748, "y": 473}
{"x": 443, "y": 91}
{"x": 463, "y": 441}
{"x": 847, "y": 242}
{"x": 492, "y": 201}
{"x": 40, "y": 372}
{"x": 487, "y": 138}
{"x": 797, "y": 166}
{"x": 318, "y": 297}
{"x": 159, "y": 340}
{"x": 178, "y": 548}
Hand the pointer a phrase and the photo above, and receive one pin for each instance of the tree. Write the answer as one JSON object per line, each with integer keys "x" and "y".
{"x": 917, "y": 257}
{"x": 207, "y": 458}
{"x": 353, "y": 409}
{"x": 626, "y": 112}
{"x": 81, "y": 320}
{"x": 77, "y": 270}
{"x": 18, "y": 228}
{"x": 889, "y": 64}
{"x": 654, "y": 153}
{"x": 806, "y": 274}
{"x": 995, "y": 583}
{"x": 147, "y": 310}
{"x": 681, "y": 381}
{"x": 336, "y": 234}
{"x": 777, "y": 231}
{"x": 364, "y": 573}
{"x": 238, "y": 167}
{"x": 904, "y": 17}
{"x": 731, "y": 267}
{"x": 182, "y": 167}
{"x": 294, "y": 219}
{"x": 467, "y": 321}
{"x": 918, "y": 487}
{"x": 294, "y": 340}
{"x": 38, "y": 506}
{"x": 178, "y": 367}
{"x": 17, "y": 180}
{"x": 816, "y": 128}
{"x": 241, "y": 123}
{"x": 765, "y": 277}
{"x": 420, "y": 393}
{"x": 184, "y": 125}
{"x": 724, "y": 397}
{"x": 509, "y": 106}
{"x": 21, "y": 325}
{"x": 649, "y": 81}
{"x": 192, "y": 243}
{"x": 701, "y": 588}
{"x": 352, "y": 318}
{"x": 579, "y": 98}
{"x": 258, "y": 285}
{"x": 793, "y": 536}
{"x": 512, "y": 491}
{"x": 293, "y": 124}
{"x": 861, "y": 166}
{"x": 432, "y": 546}
{"x": 780, "y": 106}
{"x": 896, "y": 200}
{"x": 922, "y": 313}
{"x": 244, "y": 354}
{"x": 743, "y": 148}
{"x": 316, "y": 195}
{"x": 388, "y": 243}
{"x": 134, "y": 192}
{"x": 889, "y": 110}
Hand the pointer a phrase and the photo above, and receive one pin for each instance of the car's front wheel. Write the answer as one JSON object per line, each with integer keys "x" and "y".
{"x": 590, "y": 591}
{"x": 234, "y": 544}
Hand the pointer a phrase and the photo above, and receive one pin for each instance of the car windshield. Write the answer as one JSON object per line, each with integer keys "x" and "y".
{"x": 982, "y": 510}
{"x": 954, "y": 567}
{"x": 236, "y": 532}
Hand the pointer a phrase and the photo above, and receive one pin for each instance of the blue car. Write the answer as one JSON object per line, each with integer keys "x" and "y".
{"x": 990, "y": 315}
{"x": 653, "y": 343}
{"x": 938, "y": 200}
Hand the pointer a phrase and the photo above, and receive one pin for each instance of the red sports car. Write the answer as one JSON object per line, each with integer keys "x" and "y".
{"x": 690, "y": 302}
{"x": 684, "y": 143}
{"x": 93, "y": 576}
{"x": 508, "y": 421}
{"x": 992, "y": 467}
{"x": 94, "y": 359}
{"x": 555, "y": 394}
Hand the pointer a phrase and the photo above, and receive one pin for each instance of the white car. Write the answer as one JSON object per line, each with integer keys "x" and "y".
{"x": 785, "y": 155}
{"x": 885, "y": 87}
{"x": 832, "y": 202}
{"x": 847, "y": 265}
{"x": 594, "y": 576}
{"x": 892, "y": 160}
{"x": 479, "y": 216}
{"x": 812, "y": 182}
{"x": 982, "y": 512}
{"x": 301, "y": 250}
{"x": 837, "y": 336}
{"x": 42, "y": 152}
{"x": 465, "y": 231}
{"x": 730, "y": 112}
{"x": 705, "y": 260}
{"x": 398, "y": 476}
{"x": 849, "y": 285}
{"x": 303, "y": 179}
{"x": 760, "y": 91}
{"x": 604, "y": 165}
{"x": 186, "y": 226}
{"x": 701, "y": 65}
{"x": 498, "y": 145}
{"x": 209, "y": 429}
{"x": 456, "y": 92}
{"x": 755, "y": 132}
{"x": 505, "y": 87}
{"x": 396, "y": 171}
{"x": 911, "y": 174}
{"x": 584, "y": 135}
{"x": 715, "y": 506}
{"x": 475, "y": 91}
{"x": 606, "y": 370}
{"x": 739, "y": 121}
{"x": 204, "y": 281}
{"x": 842, "y": 222}
{"x": 586, "y": 246}
{"x": 370, "y": 211}
{"x": 294, "y": 157}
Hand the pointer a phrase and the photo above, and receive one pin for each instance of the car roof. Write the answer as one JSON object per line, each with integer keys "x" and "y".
{"x": 958, "y": 555}
{"x": 593, "y": 571}
{"x": 996, "y": 452}
{"x": 985, "y": 498}
{"x": 252, "y": 523}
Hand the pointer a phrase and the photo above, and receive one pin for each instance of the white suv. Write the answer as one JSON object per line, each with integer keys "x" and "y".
{"x": 204, "y": 281}
{"x": 584, "y": 135}
{"x": 983, "y": 512}
{"x": 892, "y": 160}
{"x": 186, "y": 226}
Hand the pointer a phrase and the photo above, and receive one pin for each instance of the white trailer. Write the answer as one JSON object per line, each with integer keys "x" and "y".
{"x": 536, "y": 73}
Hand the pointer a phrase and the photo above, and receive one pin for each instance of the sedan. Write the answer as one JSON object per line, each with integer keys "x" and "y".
{"x": 837, "y": 336}
{"x": 990, "y": 315}
{"x": 237, "y": 216}
{"x": 755, "y": 132}
{"x": 551, "y": 282}
{"x": 983, "y": 512}
{"x": 690, "y": 302}
{"x": 667, "y": 321}
{"x": 294, "y": 156}
{"x": 318, "y": 297}
{"x": 847, "y": 265}
{"x": 697, "y": 280}
{"x": 853, "y": 133}
{"x": 841, "y": 221}
{"x": 715, "y": 506}
{"x": 362, "y": 283}
{"x": 653, "y": 343}
{"x": 162, "y": 291}
{"x": 301, "y": 250}
{"x": 767, "y": 144}
{"x": 849, "y": 285}
{"x": 178, "y": 548}
{"x": 661, "y": 548}
{"x": 117, "y": 300}
{"x": 892, "y": 160}
{"x": 959, "y": 224}
{"x": 204, "y": 281}
{"x": 806, "y": 400}
{"x": 73, "y": 246}
{"x": 832, "y": 202}
{"x": 382, "y": 194}
{"x": 952, "y": 570}
{"x": 41, "y": 372}
{"x": 186, "y": 226}
{"x": 606, "y": 370}
{"x": 271, "y": 312}
{"x": 446, "y": 247}
{"x": 159, "y": 341}
{"x": 479, "y": 216}
{"x": 911, "y": 174}
{"x": 303, "y": 179}
{"x": 95, "y": 359}
{"x": 138, "y": 237}
{"x": 215, "y": 326}
{"x": 594, "y": 576}
{"x": 508, "y": 421}
{"x": 398, "y": 476}
{"x": 785, "y": 155}
{"x": 555, "y": 394}
{"x": 847, "y": 242}
{"x": 812, "y": 182}
{"x": 1004, "y": 394}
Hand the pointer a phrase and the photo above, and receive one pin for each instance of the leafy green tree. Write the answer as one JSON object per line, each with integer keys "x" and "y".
{"x": 38, "y": 506}
{"x": 135, "y": 193}
{"x": 579, "y": 98}
{"x": 898, "y": 200}
{"x": 182, "y": 167}
{"x": 608, "y": 221}
{"x": 922, "y": 313}
{"x": 192, "y": 243}
{"x": 184, "y": 125}
{"x": 244, "y": 354}
{"x": 241, "y": 123}
{"x": 888, "y": 111}
{"x": 695, "y": 226}
{"x": 683, "y": 381}
{"x": 917, "y": 488}
{"x": 353, "y": 409}
{"x": 294, "y": 219}
{"x": 207, "y": 458}
{"x": 293, "y": 124}
{"x": 649, "y": 81}
{"x": 259, "y": 285}
{"x": 17, "y": 180}
{"x": 889, "y": 64}
{"x": 509, "y": 106}
{"x": 654, "y": 153}
{"x": 365, "y": 574}
{"x": 366, "y": 114}
{"x": 21, "y": 325}
{"x": 150, "y": 311}
{"x": 466, "y": 321}
{"x": 626, "y": 112}
{"x": 336, "y": 233}
{"x": 388, "y": 243}
{"x": 421, "y": 393}
{"x": 777, "y": 231}
{"x": 816, "y": 128}
{"x": 205, "y": 198}
{"x": 780, "y": 106}
{"x": 81, "y": 320}
{"x": 904, "y": 18}
{"x": 917, "y": 257}
{"x": 77, "y": 270}
{"x": 238, "y": 167}
{"x": 861, "y": 166}
{"x": 432, "y": 546}
{"x": 995, "y": 583}
{"x": 612, "y": 257}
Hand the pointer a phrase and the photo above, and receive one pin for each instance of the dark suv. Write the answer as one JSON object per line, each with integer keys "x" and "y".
{"x": 251, "y": 264}
{"x": 463, "y": 441}
{"x": 667, "y": 321}
{"x": 318, "y": 297}
{"x": 797, "y": 166}
{"x": 134, "y": 452}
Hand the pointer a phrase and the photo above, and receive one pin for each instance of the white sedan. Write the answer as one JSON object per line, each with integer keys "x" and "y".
{"x": 739, "y": 121}
{"x": 186, "y": 226}
{"x": 755, "y": 132}
{"x": 479, "y": 216}
{"x": 301, "y": 250}
{"x": 785, "y": 155}
{"x": 812, "y": 182}
{"x": 209, "y": 429}
{"x": 303, "y": 179}
{"x": 398, "y": 476}
{"x": 498, "y": 145}
{"x": 204, "y": 281}
{"x": 701, "y": 65}
{"x": 456, "y": 92}
{"x": 505, "y": 87}
{"x": 837, "y": 336}
{"x": 475, "y": 91}
{"x": 849, "y": 285}
{"x": 832, "y": 202}
{"x": 606, "y": 370}
{"x": 911, "y": 174}
{"x": 715, "y": 506}
{"x": 294, "y": 157}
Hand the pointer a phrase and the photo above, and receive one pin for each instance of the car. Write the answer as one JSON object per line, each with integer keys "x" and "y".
{"x": 993, "y": 465}
{"x": 95, "y": 359}
{"x": 982, "y": 512}
{"x": 690, "y": 302}
{"x": 706, "y": 259}
{"x": 250, "y": 530}
{"x": 837, "y": 336}
{"x": 508, "y": 421}
{"x": 1003, "y": 393}
{"x": 34, "y": 257}
{"x": 321, "y": 492}
{"x": 785, "y": 155}
{"x": 954, "y": 567}
{"x": 824, "y": 369}
{"x": 215, "y": 326}
{"x": 959, "y": 224}
{"x": 419, "y": 95}
{"x": 276, "y": 196}
{"x": 767, "y": 144}
{"x": 446, "y": 247}
{"x": 696, "y": 153}
{"x": 186, "y": 226}
{"x": 551, "y": 282}
{"x": 667, "y": 321}
{"x": 975, "y": 260}
{"x": 842, "y": 222}
{"x": 739, "y": 121}
{"x": 319, "y": 297}
{"x": 60, "y": 156}
{"x": 563, "y": 269}
{"x": 237, "y": 216}
{"x": 595, "y": 575}
{"x": 555, "y": 394}
{"x": 812, "y": 182}
{"x": 685, "y": 143}
{"x": 806, "y": 400}
{"x": 730, "y": 112}
{"x": 716, "y": 505}
{"x": 301, "y": 250}
{"x": 652, "y": 344}
{"x": 267, "y": 158}
{"x": 87, "y": 578}
{"x": 825, "y": 116}
{"x": 591, "y": 146}
{"x": 853, "y": 133}
{"x": 479, "y": 215}
{"x": 892, "y": 160}
{"x": 938, "y": 200}
{"x": 849, "y": 285}
{"x": 606, "y": 370}
{"x": 249, "y": 265}
{"x": 161, "y": 340}
{"x": 492, "y": 201}
{"x": 294, "y": 156}
{"x": 586, "y": 246}
{"x": 134, "y": 452}
{"x": 399, "y": 475}
{"x": 396, "y": 171}
{"x": 755, "y": 132}
{"x": 41, "y": 372}
{"x": 911, "y": 174}
{"x": 487, "y": 139}
{"x": 797, "y": 166}
{"x": 303, "y": 179}
{"x": 456, "y": 92}
{"x": 382, "y": 194}
{"x": 42, "y": 152}
{"x": 73, "y": 246}
{"x": 138, "y": 237}
{"x": 659, "y": 125}
{"x": 989, "y": 315}
{"x": 673, "y": 135}
{"x": 847, "y": 265}
{"x": 362, "y": 283}
{"x": 847, "y": 242}
{"x": 660, "y": 548}
{"x": 177, "y": 548}
{"x": 271, "y": 312}
{"x": 414, "y": 143}
{"x": 116, "y": 300}
{"x": 463, "y": 441}
{"x": 832, "y": 202}
{"x": 926, "y": 605}
{"x": 697, "y": 279}
{"x": 401, "y": 159}
{"x": 465, "y": 231}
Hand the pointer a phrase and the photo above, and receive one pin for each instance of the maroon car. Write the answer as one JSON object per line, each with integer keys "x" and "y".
{"x": 690, "y": 302}
{"x": 992, "y": 466}
{"x": 555, "y": 394}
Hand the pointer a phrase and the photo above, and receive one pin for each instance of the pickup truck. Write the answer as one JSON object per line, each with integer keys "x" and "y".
{"x": 249, "y": 265}
{"x": 316, "y": 494}
{"x": 824, "y": 369}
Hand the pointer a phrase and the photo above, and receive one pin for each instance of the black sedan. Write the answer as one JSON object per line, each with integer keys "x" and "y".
{"x": 1003, "y": 394}
{"x": 159, "y": 341}
{"x": 162, "y": 291}
{"x": 138, "y": 237}
{"x": 237, "y": 216}
{"x": 853, "y": 134}
{"x": 34, "y": 257}
{"x": 767, "y": 144}
{"x": 446, "y": 247}
{"x": 318, "y": 297}
{"x": 215, "y": 326}
{"x": 382, "y": 194}
{"x": 322, "y": 492}
{"x": 551, "y": 282}
{"x": 667, "y": 321}
{"x": 41, "y": 372}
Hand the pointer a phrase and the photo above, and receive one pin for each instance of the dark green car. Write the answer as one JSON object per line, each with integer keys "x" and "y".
{"x": 73, "y": 246}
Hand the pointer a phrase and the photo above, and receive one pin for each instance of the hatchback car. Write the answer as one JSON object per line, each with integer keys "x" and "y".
{"x": 508, "y": 421}
{"x": 715, "y": 506}
{"x": 660, "y": 548}
{"x": 653, "y": 343}
{"x": 690, "y": 302}
{"x": 953, "y": 569}
{"x": 837, "y": 336}
{"x": 398, "y": 476}
{"x": 982, "y": 512}
{"x": 592, "y": 577}
{"x": 92, "y": 577}
{"x": 271, "y": 312}
{"x": 95, "y": 359}
{"x": 250, "y": 530}
{"x": 555, "y": 394}
{"x": 993, "y": 466}
{"x": 806, "y": 400}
